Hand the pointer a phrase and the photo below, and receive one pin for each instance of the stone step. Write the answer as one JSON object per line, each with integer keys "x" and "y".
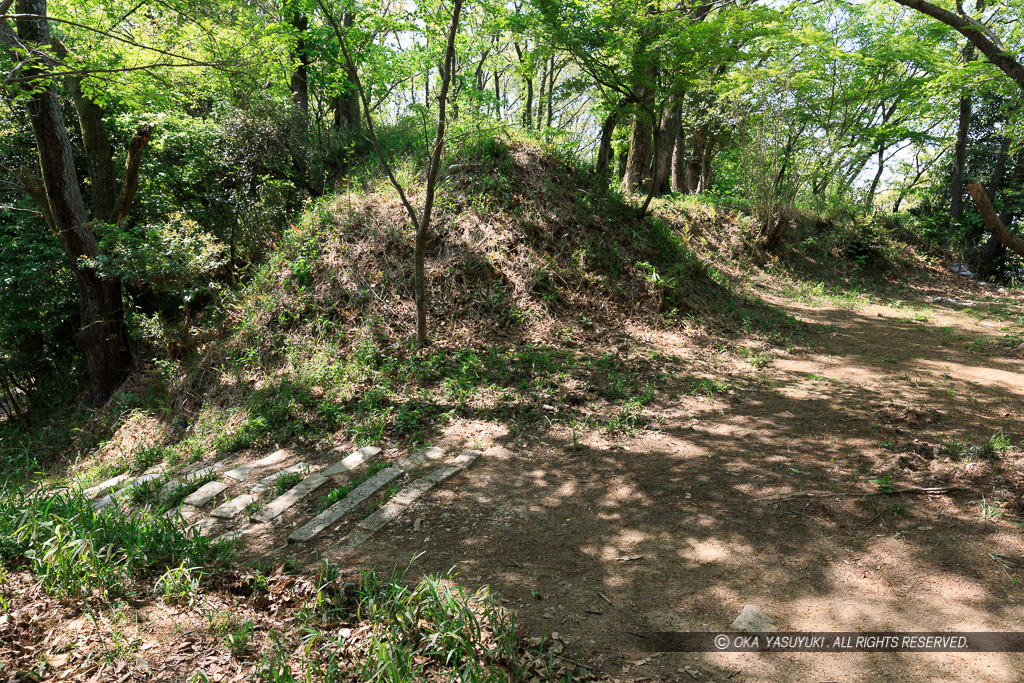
{"x": 236, "y": 505}
{"x": 290, "y": 497}
{"x": 420, "y": 457}
{"x": 353, "y": 461}
{"x": 235, "y": 534}
{"x": 205, "y": 493}
{"x": 391, "y": 510}
{"x": 241, "y": 473}
{"x": 205, "y": 526}
{"x": 106, "y": 486}
{"x": 267, "y": 482}
{"x": 363, "y": 491}
{"x": 188, "y": 477}
{"x": 394, "y": 508}
{"x": 343, "y": 506}
{"x": 151, "y": 474}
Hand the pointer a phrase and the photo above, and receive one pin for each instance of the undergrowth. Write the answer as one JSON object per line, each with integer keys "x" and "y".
{"x": 75, "y": 550}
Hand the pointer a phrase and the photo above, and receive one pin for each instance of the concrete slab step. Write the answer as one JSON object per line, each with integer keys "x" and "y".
{"x": 236, "y": 505}
{"x": 334, "y": 513}
{"x": 242, "y": 472}
{"x": 290, "y": 497}
{"x": 205, "y": 493}
{"x": 394, "y": 508}
{"x": 106, "y": 486}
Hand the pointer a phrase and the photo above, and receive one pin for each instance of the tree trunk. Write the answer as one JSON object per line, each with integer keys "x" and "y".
{"x": 668, "y": 129}
{"x": 679, "y": 163}
{"x": 993, "y": 221}
{"x": 956, "y": 189}
{"x": 870, "y": 200}
{"x": 300, "y": 98}
{"x": 995, "y": 185}
{"x": 103, "y": 336}
{"x": 435, "y": 163}
{"x": 346, "y": 105}
{"x": 540, "y": 96}
{"x": 551, "y": 91}
{"x": 604, "y": 149}
{"x": 638, "y": 163}
{"x": 707, "y": 155}
{"x": 695, "y": 161}
{"x": 99, "y": 153}
{"x": 528, "y": 104}
{"x": 300, "y": 76}
{"x": 497, "y": 95}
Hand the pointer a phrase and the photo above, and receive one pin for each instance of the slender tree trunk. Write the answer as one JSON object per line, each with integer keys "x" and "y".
{"x": 604, "y": 149}
{"x": 870, "y": 199}
{"x": 103, "y": 336}
{"x": 99, "y": 153}
{"x": 540, "y": 96}
{"x": 420, "y": 223}
{"x": 300, "y": 98}
{"x": 707, "y": 155}
{"x": 668, "y": 129}
{"x": 435, "y": 163}
{"x": 679, "y": 163}
{"x": 300, "y": 76}
{"x": 346, "y": 105}
{"x": 551, "y": 91}
{"x": 497, "y": 95}
{"x": 956, "y": 204}
{"x": 693, "y": 165}
{"x": 528, "y": 103}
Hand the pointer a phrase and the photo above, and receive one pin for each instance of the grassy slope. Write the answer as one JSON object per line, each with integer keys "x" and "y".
{"x": 533, "y": 271}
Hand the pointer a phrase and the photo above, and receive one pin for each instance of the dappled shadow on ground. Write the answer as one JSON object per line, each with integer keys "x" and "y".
{"x": 673, "y": 528}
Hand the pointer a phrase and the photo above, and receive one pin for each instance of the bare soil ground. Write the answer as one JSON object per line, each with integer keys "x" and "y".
{"x": 601, "y": 538}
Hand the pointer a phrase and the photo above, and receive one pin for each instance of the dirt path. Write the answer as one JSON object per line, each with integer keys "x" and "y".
{"x": 668, "y": 529}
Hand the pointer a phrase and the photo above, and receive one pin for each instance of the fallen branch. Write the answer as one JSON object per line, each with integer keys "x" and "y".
{"x": 916, "y": 490}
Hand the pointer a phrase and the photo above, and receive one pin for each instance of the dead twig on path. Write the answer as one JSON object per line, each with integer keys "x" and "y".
{"x": 916, "y": 490}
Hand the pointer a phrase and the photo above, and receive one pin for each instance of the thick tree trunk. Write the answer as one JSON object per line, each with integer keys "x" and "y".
{"x": 994, "y": 249}
{"x": 638, "y": 163}
{"x": 668, "y": 129}
{"x": 103, "y": 336}
{"x": 995, "y": 186}
{"x": 679, "y": 163}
